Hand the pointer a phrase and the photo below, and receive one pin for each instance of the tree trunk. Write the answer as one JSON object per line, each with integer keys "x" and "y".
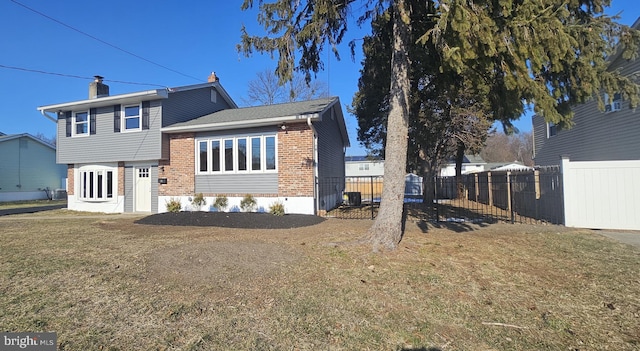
{"x": 386, "y": 231}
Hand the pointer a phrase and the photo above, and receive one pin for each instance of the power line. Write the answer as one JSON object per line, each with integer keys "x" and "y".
{"x": 103, "y": 42}
{"x": 74, "y": 76}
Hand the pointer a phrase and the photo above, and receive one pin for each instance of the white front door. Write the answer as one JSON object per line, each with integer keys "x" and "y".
{"x": 143, "y": 189}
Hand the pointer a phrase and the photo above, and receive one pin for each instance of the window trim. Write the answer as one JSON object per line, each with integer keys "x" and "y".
{"x": 235, "y": 154}
{"x": 615, "y": 105}
{"x": 124, "y": 118}
{"x": 102, "y": 187}
{"x": 552, "y": 129}
{"x": 75, "y": 123}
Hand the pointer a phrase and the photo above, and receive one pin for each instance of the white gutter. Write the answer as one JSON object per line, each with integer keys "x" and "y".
{"x": 52, "y": 119}
{"x": 315, "y": 164}
{"x": 234, "y": 124}
{"x": 106, "y": 101}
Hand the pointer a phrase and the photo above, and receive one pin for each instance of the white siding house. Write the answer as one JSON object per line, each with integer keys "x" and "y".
{"x": 363, "y": 166}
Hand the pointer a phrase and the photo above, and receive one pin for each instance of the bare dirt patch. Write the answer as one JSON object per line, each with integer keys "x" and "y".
{"x": 219, "y": 263}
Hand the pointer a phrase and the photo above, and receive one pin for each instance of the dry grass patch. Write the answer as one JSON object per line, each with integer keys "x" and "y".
{"x": 110, "y": 284}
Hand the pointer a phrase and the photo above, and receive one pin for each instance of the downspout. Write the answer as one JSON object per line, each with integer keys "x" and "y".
{"x": 315, "y": 166}
{"x": 52, "y": 119}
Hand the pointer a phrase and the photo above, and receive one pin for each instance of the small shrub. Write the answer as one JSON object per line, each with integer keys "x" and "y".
{"x": 248, "y": 203}
{"x": 277, "y": 208}
{"x": 174, "y": 205}
{"x": 198, "y": 201}
{"x": 221, "y": 203}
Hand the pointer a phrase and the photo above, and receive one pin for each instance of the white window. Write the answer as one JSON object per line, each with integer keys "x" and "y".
{"x": 552, "y": 129}
{"x": 81, "y": 123}
{"x": 96, "y": 184}
{"x": 363, "y": 167}
{"x": 132, "y": 118}
{"x": 246, "y": 154}
{"x": 612, "y": 105}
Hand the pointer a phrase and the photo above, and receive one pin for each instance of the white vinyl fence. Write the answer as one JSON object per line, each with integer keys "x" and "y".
{"x": 602, "y": 195}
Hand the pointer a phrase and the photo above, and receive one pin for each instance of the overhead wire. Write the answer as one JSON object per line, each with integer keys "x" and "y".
{"x": 75, "y": 76}
{"x": 104, "y": 42}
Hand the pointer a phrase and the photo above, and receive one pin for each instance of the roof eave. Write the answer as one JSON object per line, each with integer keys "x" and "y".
{"x": 107, "y": 100}
{"x": 239, "y": 124}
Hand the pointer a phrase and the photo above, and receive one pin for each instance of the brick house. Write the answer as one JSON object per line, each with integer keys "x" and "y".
{"x": 134, "y": 152}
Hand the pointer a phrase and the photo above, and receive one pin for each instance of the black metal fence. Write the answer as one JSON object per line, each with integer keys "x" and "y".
{"x": 515, "y": 196}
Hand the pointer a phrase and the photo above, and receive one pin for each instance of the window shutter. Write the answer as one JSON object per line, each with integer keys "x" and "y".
{"x": 145, "y": 114}
{"x": 116, "y": 118}
{"x": 92, "y": 121}
{"x": 67, "y": 117}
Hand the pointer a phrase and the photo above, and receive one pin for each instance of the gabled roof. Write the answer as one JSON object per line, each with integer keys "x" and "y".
{"x": 620, "y": 48}
{"x": 4, "y": 137}
{"x": 132, "y": 98}
{"x": 267, "y": 115}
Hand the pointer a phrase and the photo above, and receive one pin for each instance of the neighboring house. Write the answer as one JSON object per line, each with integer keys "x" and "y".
{"x": 506, "y": 166}
{"x": 363, "y": 166}
{"x": 134, "y": 152}
{"x": 470, "y": 164}
{"x": 612, "y": 134}
{"x": 28, "y": 169}
{"x": 599, "y": 157}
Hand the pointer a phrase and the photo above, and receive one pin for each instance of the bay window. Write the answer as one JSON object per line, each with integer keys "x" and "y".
{"x": 96, "y": 184}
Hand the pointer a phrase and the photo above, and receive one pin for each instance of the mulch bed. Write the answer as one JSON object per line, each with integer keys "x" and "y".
{"x": 231, "y": 220}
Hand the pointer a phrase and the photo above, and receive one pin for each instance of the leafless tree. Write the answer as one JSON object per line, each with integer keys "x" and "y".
{"x": 266, "y": 89}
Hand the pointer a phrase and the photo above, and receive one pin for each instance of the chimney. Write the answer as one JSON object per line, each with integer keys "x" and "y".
{"x": 213, "y": 78}
{"x": 97, "y": 88}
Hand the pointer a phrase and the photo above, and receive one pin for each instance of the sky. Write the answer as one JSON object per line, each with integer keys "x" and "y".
{"x": 142, "y": 45}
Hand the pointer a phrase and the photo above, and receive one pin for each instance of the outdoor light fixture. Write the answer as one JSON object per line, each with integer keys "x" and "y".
{"x": 283, "y": 126}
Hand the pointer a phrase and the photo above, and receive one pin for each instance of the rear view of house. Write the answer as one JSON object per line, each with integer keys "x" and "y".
{"x": 134, "y": 152}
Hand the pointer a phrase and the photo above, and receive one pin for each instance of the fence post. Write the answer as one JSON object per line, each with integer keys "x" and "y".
{"x": 489, "y": 188}
{"x": 435, "y": 197}
{"x": 372, "y": 202}
{"x": 510, "y": 198}
{"x": 477, "y": 186}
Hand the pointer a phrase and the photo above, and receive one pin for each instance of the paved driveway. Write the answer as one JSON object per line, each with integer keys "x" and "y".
{"x": 12, "y": 211}
{"x": 627, "y": 237}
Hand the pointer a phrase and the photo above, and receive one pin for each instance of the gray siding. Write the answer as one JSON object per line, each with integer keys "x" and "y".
{"x": 252, "y": 183}
{"x": 154, "y": 188}
{"x": 189, "y": 104}
{"x": 28, "y": 163}
{"x": 128, "y": 188}
{"x": 331, "y": 161}
{"x": 330, "y": 146}
{"x": 595, "y": 136}
{"x": 109, "y": 146}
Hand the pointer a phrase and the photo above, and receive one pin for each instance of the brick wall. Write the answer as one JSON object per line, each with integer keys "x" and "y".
{"x": 70, "y": 180}
{"x": 120, "y": 178}
{"x": 295, "y": 161}
{"x": 180, "y": 168}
